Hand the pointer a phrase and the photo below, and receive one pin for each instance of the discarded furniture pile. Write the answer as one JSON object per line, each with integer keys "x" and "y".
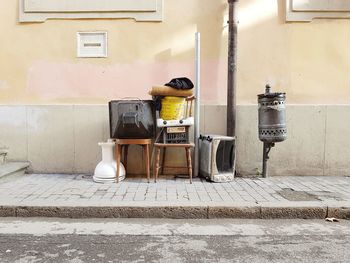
{"x": 157, "y": 125}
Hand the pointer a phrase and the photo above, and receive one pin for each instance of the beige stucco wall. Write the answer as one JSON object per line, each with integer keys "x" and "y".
{"x": 39, "y": 71}
{"x": 309, "y": 61}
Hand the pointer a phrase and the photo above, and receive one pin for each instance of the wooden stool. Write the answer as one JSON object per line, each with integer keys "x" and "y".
{"x": 186, "y": 146}
{"x": 120, "y": 143}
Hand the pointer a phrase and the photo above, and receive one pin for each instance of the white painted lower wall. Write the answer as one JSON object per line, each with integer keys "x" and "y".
{"x": 63, "y": 138}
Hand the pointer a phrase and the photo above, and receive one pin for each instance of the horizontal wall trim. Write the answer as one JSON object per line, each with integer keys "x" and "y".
{"x": 307, "y": 10}
{"x": 59, "y": 6}
{"x": 32, "y": 11}
{"x": 321, "y": 5}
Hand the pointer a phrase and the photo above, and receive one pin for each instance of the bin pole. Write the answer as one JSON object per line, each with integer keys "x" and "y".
{"x": 267, "y": 149}
{"x": 264, "y": 170}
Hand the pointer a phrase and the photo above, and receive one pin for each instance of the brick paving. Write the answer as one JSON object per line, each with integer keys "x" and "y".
{"x": 80, "y": 190}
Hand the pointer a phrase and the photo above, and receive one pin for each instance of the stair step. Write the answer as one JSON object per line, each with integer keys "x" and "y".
{"x": 13, "y": 168}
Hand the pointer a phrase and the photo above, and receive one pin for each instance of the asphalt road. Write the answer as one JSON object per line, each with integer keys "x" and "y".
{"x": 131, "y": 240}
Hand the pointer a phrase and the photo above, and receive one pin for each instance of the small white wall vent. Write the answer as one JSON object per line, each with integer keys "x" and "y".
{"x": 92, "y": 44}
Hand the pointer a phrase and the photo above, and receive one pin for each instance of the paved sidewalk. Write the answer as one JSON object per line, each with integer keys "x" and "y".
{"x": 77, "y": 196}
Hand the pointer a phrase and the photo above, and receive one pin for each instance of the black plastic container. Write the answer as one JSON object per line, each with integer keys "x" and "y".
{"x": 132, "y": 119}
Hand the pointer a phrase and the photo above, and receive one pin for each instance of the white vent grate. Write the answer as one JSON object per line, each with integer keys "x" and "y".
{"x": 92, "y": 44}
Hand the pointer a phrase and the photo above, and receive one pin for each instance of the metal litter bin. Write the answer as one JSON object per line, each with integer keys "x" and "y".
{"x": 272, "y": 121}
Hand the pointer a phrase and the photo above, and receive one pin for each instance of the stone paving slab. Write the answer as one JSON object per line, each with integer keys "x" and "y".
{"x": 62, "y": 195}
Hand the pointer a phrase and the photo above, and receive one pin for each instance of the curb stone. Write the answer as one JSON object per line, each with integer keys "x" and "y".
{"x": 253, "y": 212}
{"x": 177, "y": 212}
{"x": 293, "y": 212}
{"x": 113, "y": 212}
{"x": 339, "y": 212}
{"x": 7, "y": 211}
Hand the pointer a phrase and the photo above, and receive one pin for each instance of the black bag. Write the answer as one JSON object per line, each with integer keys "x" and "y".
{"x": 180, "y": 83}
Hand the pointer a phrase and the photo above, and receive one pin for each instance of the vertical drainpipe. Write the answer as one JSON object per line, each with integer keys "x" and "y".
{"x": 232, "y": 69}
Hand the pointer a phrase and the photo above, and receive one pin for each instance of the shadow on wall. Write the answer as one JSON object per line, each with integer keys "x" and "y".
{"x": 263, "y": 47}
{"x": 182, "y": 47}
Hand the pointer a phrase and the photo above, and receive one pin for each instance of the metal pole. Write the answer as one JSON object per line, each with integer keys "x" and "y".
{"x": 198, "y": 104}
{"x": 264, "y": 172}
{"x": 232, "y": 69}
{"x": 267, "y": 149}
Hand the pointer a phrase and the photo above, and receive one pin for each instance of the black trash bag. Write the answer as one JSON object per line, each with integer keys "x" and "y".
{"x": 180, "y": 83}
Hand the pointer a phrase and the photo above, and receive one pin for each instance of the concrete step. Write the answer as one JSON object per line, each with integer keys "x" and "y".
{"x": 13, "y": 169}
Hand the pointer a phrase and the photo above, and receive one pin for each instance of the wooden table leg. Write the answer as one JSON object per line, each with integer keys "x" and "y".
{"x": 189, "y": 163}
{"x": 116, "y": 157}
{"x": 163, "y": 161}
{"x": 118, "y": 153}
{"x": 126, "y": 148}
{"x": 156, "y": 164}
{"x": 146, "y": 151}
